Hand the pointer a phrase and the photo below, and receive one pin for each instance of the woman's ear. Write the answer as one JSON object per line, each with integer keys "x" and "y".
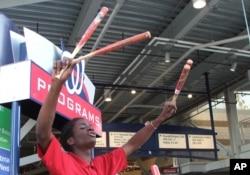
{"x": 70, "y": 141}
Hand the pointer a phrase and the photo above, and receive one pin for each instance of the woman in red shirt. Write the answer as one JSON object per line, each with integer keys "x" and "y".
{"x": 78, "y": 137}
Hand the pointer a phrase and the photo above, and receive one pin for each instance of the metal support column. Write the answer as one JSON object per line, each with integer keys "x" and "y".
{"x": 15, "y": 138}
{"x": 211, "y": 112}
{"x": 233, "y": 124}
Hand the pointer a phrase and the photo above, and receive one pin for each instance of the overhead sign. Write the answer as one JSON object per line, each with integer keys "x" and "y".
{"x": 5, "y": 125}
{"x": 196, "y": 141}
{"x": 175, "y": 141}
{"x": 118, "y": 139}
{"x": 166, "y": 141}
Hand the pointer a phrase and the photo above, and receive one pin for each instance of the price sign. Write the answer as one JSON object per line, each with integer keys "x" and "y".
{"x": 200, "y": 141}
{"x": 118, "y": 139}
{"x": 177, "y": 141}
{"x": 101, "y": 141}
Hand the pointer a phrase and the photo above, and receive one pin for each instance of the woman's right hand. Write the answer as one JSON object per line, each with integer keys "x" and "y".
{"x": 62, "y": 69}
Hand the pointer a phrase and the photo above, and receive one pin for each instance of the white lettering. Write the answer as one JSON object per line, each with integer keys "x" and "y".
{"x": 5, "y": 132}
{"x": 237, "y": 166}
{"x": 84, "y": 113}
{"x": 3, "y": 140}
{"x": 97, "y": 121}
{"x": 240, "y": 166}
{"x": 243, "y": 165}
{"x": 78, "y": 108}
{"x": 4, "y": 159}
{"x": 4, "y": 168}
{"x": 41, "y": 84}
{"x": 69, "y": 104}
{"x": 61, "y": 99}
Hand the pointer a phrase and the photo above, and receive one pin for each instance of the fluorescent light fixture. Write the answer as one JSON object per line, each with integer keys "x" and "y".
{"x": 198, "y": 4}
{"x": 233, "y": 67}
{"x": 167, "y": 57}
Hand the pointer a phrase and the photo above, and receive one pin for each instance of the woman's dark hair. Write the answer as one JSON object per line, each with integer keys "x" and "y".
{"x": 67, "y": 132}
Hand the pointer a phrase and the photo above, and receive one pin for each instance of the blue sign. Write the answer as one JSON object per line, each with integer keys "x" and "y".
{"x": 166, "y": 141}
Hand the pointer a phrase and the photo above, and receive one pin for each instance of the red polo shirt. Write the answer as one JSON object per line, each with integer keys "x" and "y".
{"x": 60, "y": 162}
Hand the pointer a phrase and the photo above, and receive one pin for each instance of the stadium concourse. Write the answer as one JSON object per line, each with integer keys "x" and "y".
{"x": 212, "y": 123}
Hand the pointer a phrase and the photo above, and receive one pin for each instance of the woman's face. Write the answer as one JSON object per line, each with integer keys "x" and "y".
{"x": 83, "y": 135}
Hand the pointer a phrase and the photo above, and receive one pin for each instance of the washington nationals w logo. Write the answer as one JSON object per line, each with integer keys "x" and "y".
{"x": 74, "y": 84}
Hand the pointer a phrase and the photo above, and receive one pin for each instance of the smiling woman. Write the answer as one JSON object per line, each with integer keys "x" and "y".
{"x": 221, "y": 23}
{"x": 79, "y": 138}
{"x": 67, "y": 132}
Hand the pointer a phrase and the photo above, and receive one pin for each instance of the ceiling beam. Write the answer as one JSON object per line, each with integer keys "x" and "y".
{"x": 179, "y": 27}
{"x": 27, "y": 127}
{"x": 15, "y": 3}
{"x": 29, "y": 159}
{"x": 86, "y": 16}
{"x": 206, "y": 66}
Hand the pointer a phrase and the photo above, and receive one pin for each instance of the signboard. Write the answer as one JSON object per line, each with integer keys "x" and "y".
{"x": 8, "y": 90}
{"x": 166, "y": 141}
{"x": 118, "y": 139}
{"x": 5, "y": 126}
{"x": 196, "y": 141}
{"x": 172, "y": 141}
{"x": 69, "y": 105}
{"x": 169, "y": 170}
{"x": 34, "y": 84}
{"x": 33, "y": 79}
{"x": 101, "y": 142}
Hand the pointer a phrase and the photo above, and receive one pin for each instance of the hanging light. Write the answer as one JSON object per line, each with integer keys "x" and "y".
{"x": 167, "y": 57}
{"x": 133, "y": 91}
{"x": 108, "y": 98}
{"x": 107, "y": 95}
{"x": 233, "y": 66}
{"x": 198, "y": 4}
{"x": 190, "y": 95}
